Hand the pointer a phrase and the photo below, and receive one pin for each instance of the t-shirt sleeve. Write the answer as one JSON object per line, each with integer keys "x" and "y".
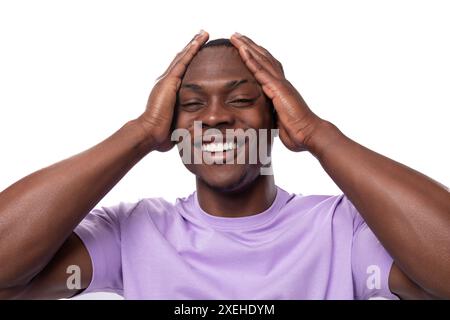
{"x": 100, "y": 233}
{"x": 371, "y": 263}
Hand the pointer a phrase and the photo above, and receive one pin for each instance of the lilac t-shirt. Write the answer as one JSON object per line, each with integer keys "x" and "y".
{"x": 302, "y": 247}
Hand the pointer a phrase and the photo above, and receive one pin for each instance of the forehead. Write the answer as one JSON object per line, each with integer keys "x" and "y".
{"x": 217, "y": 64}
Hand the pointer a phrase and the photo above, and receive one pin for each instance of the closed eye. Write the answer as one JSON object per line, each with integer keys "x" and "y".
{"x": 191, "y": 106}
{"x": 196, "y": 105}
{"x": 243, "y": 102}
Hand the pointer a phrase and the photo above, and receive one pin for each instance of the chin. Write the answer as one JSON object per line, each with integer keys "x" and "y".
{"x": 226, "y": 178}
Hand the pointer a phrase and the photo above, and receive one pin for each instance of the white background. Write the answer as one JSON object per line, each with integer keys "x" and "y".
{"x": 73, "y": 72}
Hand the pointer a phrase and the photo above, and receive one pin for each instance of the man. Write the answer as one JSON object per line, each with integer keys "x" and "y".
{"x": 239, "y": 236}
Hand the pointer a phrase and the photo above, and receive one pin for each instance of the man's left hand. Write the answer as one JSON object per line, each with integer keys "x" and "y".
{"x": 295, "y": 120}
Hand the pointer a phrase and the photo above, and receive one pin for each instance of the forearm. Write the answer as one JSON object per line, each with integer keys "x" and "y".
{"x": 409, "y": 212}
{"x": 39, "y": 212}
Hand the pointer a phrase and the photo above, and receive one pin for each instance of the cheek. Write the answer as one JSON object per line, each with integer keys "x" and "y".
{"x": 183, "y": 120}
{"x": 259, "y": 117}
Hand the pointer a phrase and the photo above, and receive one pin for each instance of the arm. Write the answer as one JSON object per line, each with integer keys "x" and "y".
{"x": 50, "y": 283}
{"x": 408, "y": 212}
{"x": 39, "y": 212}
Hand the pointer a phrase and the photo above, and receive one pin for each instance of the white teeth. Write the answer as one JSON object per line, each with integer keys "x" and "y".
{"x": 218, "y": 147}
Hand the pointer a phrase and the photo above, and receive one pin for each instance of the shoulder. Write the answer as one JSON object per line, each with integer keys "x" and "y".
{"x": 320, "y": 203}
{"x": 157, "y": 209}
{"x": 332, "y": 208}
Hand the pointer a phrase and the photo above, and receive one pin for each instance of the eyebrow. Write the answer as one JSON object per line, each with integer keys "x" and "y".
{"x": 233, "y": 84}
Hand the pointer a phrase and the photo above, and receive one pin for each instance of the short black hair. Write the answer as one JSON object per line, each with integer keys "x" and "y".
{"x": 222, "y": 42}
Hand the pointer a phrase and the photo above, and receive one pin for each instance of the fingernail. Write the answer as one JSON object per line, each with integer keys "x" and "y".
{"x": 201, "y": 32}
{"x": 237, "y": 34}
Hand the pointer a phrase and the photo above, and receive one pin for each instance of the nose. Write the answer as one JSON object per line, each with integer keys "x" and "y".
{"x": 217, "y": 115}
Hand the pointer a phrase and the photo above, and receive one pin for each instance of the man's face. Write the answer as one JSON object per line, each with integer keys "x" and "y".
{"x": 219, "y": 90}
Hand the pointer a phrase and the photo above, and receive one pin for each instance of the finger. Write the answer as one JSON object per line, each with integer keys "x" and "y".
{"x": 240, "y": 41}
{"x": 262, "y": 75}
{"x": 261, "y": 50}
{"x": 179, "y": 67}
{"x": 181, "y": 53}
{"x": 201, "y": 37}
{"x": 262, "y": 59}
{"x": 264, "y": 52}
{"x": 195, "y": 38}
{"x": 251, "y": 43}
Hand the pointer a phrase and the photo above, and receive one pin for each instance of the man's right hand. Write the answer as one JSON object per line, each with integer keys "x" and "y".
{"x": 38, "y": 213}
{"x": 157, "y": 118}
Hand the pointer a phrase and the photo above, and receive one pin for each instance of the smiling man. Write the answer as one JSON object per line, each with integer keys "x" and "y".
{"x": 239, "y": 236}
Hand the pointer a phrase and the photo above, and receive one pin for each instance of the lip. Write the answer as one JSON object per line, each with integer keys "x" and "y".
{"x": 200, "y": 140}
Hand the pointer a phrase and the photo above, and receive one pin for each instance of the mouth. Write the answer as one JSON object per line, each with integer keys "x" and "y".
{"x": 219, "y": 153}
{"x": 218, "y": 147}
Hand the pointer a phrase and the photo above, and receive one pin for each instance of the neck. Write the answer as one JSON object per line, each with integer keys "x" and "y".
{"x": 253, "y": 199}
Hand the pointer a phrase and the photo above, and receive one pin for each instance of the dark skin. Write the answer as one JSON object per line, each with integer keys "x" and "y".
{"x": 409, "y": 212}
{"x": 205, "y": 95}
